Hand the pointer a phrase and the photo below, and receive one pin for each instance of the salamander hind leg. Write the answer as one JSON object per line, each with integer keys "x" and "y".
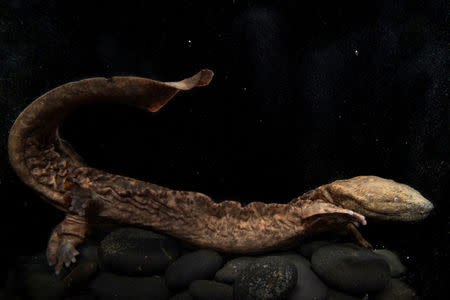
{"x": 61, "y": 249}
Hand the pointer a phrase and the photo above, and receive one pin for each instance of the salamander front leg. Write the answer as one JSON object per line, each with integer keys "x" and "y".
{"x": 350, "y": 232}
{"x": 61, "y": 249}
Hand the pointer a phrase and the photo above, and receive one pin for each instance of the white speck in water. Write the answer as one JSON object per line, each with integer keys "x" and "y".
{"x": 340, "y": 116}
{"x": 356, "y": 52}
{"x": 245, "y": 89}
{"x": 407, "y": 257}
{"x": 189, "y": 43}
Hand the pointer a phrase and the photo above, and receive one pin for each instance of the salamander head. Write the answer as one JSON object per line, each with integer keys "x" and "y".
{"x": 379, "y": 198}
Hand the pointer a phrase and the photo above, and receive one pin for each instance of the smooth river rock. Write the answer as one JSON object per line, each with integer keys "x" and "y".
{"x": 34, "y": 279}
{"x": 210, "y": 290}
{"x": 336, "y": 295}
{"x": 230, "y": 272}
{"x": 395, "y": 290}
{"x": 350, "y": 268}
{"x": 309, "y": 285}
{"x": 201, "y": 264}
{"x": 395, "y": 265}
{"x": 134, "y": 251}
{"x": 308, "y": 249}
{"x": 107, "y": 286}
{"x": 266, "y": 278}
{"x": 185, "y": 295}
{"x": 294, "y": 257}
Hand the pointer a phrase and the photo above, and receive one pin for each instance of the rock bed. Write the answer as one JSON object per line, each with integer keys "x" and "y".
{"x": 132, "y": 263}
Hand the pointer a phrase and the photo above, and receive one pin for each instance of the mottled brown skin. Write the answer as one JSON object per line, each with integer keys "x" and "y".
{"x": 47, "y": 164}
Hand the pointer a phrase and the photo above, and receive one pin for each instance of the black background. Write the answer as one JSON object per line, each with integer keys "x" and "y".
{"x": 304, "y": 93}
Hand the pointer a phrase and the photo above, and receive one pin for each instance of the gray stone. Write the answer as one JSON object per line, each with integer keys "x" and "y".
{"x": 45, "y": 286}
{"x": 33, "y": 278}
{"x": 266, "y": 278}
{"x": 230, "y": 272}
{"x": 89, "y": 251}
{"x": 108, "y": 286}
{"x": 81, "y": 297}
{"x": 351, "y": 268}
{"x": 201, "y": 264}
{"x": 309, "y": 286}
{"x": 395, "y": 265}
{"x": 133, "y": 251}
{"x": 395, "y": 290}
{"x": 210, "y": 290}
{"x": 80, "y": 275}
{"x": 294, "y": 258}
{"x": 308, "y": 249}
{"x": 336, "y": 295}
{"x": 182, "y": 296}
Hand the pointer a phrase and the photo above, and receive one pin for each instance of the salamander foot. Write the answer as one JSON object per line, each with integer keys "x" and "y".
{"x": 61, "y": 249}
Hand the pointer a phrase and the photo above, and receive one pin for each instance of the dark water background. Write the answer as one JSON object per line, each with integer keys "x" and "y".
{"x": 305, "y": 93}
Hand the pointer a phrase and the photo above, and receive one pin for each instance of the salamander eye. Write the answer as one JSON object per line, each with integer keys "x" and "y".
{"x": 396, "y": 199}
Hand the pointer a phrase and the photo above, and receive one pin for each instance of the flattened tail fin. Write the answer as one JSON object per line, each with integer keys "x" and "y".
{"x": 202, "y": 78}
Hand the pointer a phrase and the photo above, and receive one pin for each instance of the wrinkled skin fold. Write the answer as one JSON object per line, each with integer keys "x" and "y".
{"x": 47, "y": 164}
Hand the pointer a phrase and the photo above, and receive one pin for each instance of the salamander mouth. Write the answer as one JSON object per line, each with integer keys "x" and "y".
{"x": 401, "y": 214}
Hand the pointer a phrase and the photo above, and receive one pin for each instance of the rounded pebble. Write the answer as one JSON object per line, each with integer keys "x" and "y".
{"x": 351, "y": 268}
{"x": 309, "y": 286}
{"x": 43, "y": 285}
{"x": 134, "y": 251}
{"x": 308, "y": 249}
{"x": 210, "y": 290}
{"x": 266, "y": 278}
{"x": 336, "y": 295}
{"x": 81, "y": 297}
{"x": 182, "y": 296}
{"x": 396, "y": 290}
{"x": 89, "y": 251}
{"x": 33, "y": 278}
{"x": 80, "y": 274}
{"x": 395, "y": 265}
{"x": 201, "y": 264}
{"x": 108, "y": 286}
{"x": 295, "y": 258}
{"x": 230, "y": 272}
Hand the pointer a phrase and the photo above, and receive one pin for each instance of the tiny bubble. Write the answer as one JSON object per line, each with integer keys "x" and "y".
{"x": 356, "y": 52}
{"x": 340, "y": 116}
{"x": 245, "y": 89}
{"x": 189, "y": 43}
